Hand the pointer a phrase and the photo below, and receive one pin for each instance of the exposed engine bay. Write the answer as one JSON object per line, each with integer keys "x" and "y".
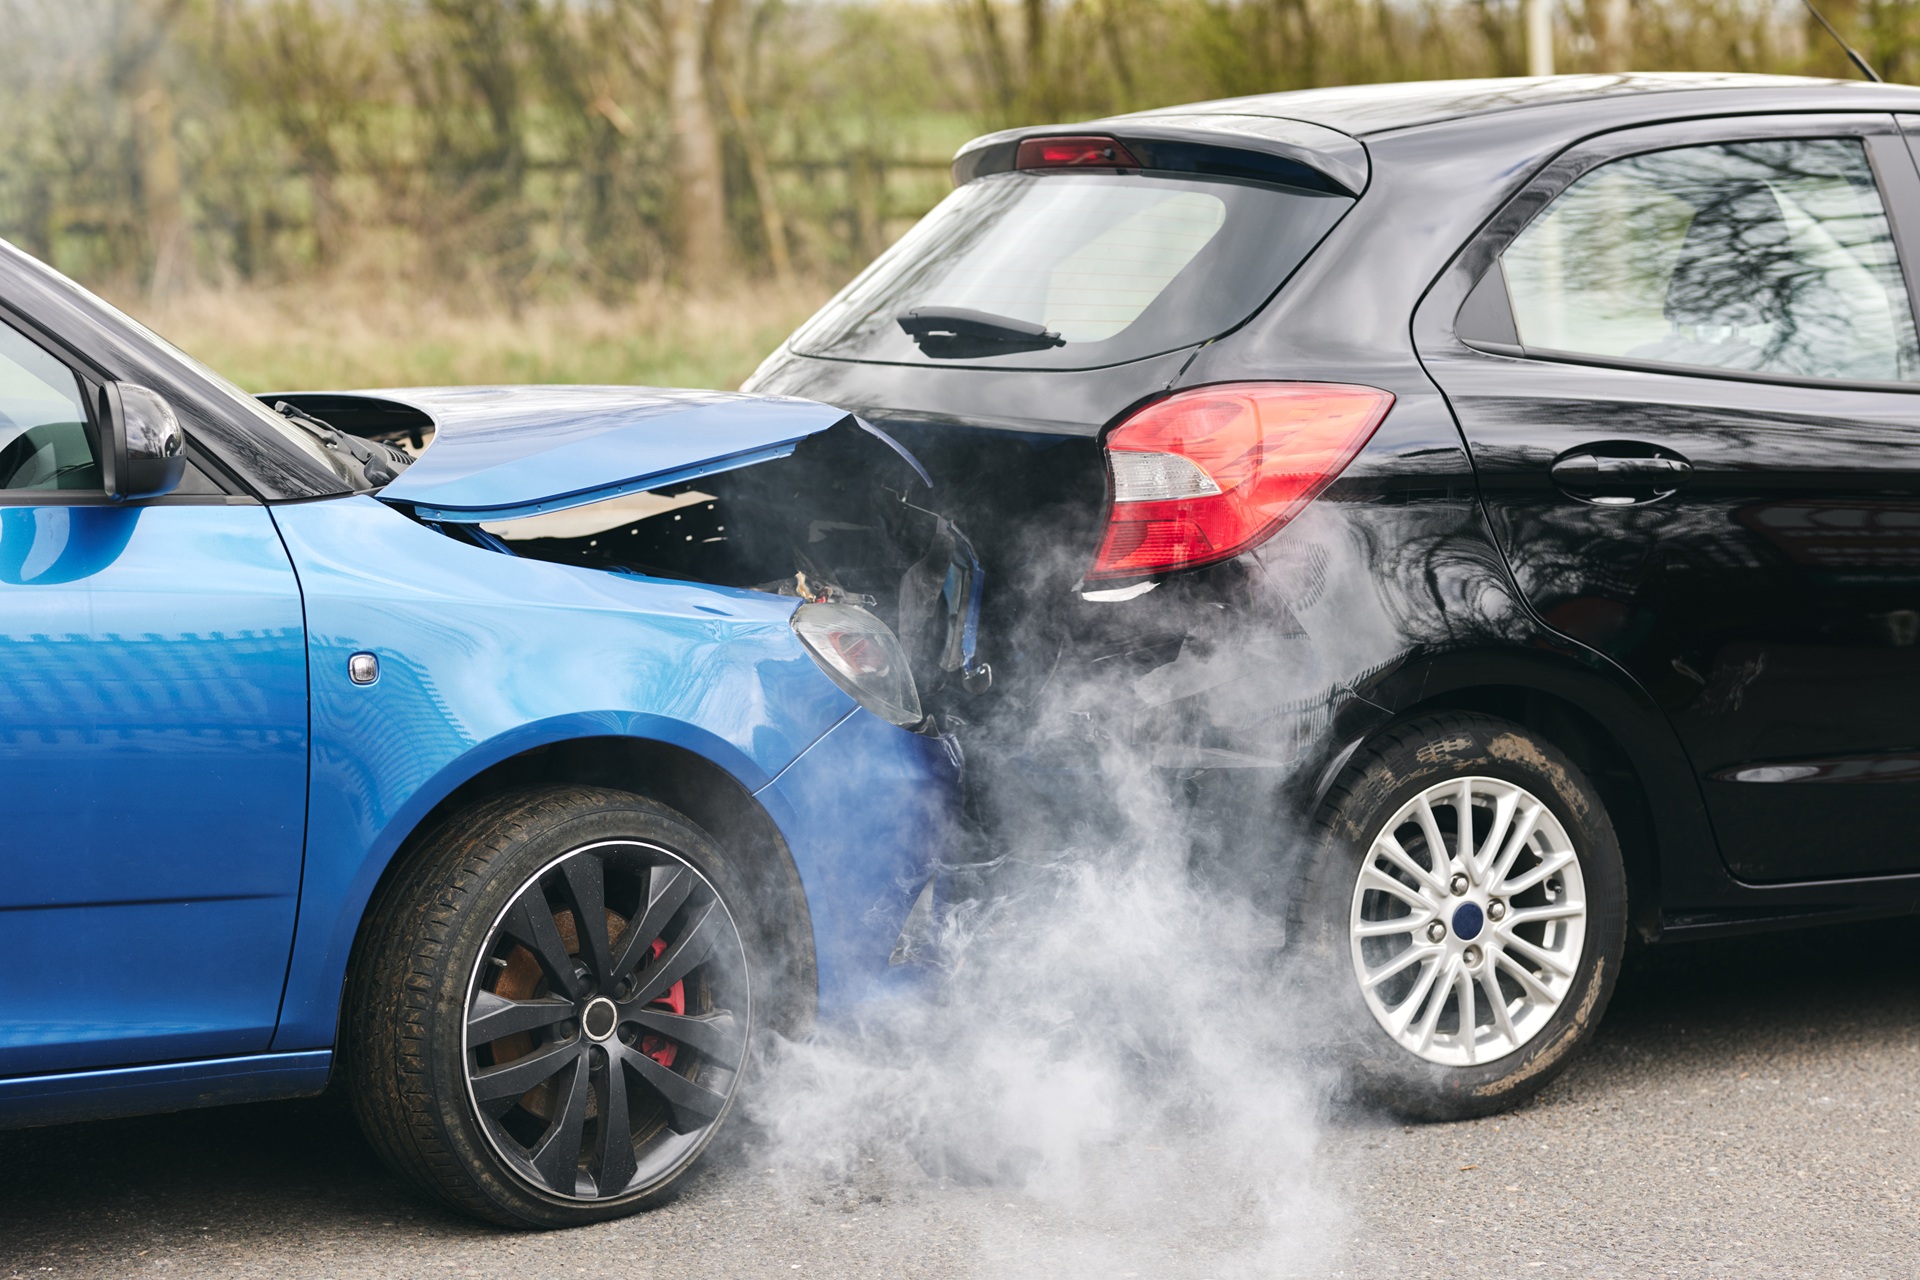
{"x": 838, "y": 520}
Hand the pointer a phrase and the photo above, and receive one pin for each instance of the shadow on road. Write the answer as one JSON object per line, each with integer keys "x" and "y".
{"x": 1837, "y": 983}
{"x": 291, "y": 1179}
{"x": 276, "y": 1172}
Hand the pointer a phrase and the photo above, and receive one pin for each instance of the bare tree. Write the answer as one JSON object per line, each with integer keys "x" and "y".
{"x": 700, "y": 240}
{"x": 141, "y": 29}
{"x": 730, "y": 46}
{"x": 1611, "y": 21}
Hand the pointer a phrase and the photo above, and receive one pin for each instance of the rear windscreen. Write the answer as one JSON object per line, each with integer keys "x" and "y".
{"x": 1118, "y": 266}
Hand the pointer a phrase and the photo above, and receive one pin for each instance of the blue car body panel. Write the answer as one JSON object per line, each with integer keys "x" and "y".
{"x": 201, "y": 801}
{"x": 484, "y": 656}
{"x": 503, "y": 452}
{"x": 153, "y": 756}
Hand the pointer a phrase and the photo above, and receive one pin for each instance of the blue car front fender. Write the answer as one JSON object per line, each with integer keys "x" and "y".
{"x": 482, "y": 657}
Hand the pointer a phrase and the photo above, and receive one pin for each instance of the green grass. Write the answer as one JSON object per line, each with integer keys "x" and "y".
{"x": 342, "y": 337}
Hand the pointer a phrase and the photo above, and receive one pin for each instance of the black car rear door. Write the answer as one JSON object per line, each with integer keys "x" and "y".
{"x": 1687, "y": 372}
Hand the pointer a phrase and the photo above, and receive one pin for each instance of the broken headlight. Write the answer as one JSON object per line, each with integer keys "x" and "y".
{"x": 862, "y": 656}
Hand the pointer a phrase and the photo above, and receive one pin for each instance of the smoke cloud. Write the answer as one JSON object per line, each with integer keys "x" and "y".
{"x": 1109, "y": 1051}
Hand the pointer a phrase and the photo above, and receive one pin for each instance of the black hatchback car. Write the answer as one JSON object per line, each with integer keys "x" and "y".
{"x": 1496, "y": 503}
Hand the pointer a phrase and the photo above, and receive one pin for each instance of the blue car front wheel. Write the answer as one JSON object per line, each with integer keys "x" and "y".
{"x": 554, "y": 1017}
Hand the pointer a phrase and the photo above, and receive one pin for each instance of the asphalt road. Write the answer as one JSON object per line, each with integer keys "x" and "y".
{"x": 1750, "y": 1108}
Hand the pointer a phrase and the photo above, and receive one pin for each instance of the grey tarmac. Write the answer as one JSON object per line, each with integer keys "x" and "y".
{"x": 1751, "y": 1107}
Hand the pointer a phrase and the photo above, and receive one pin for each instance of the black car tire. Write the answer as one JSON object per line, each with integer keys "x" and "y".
{"x": 1434, "y": 756}
{"x": 435, "y": 937}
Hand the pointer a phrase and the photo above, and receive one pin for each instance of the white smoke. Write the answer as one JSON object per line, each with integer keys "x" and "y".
{"x": 1109, "y": 1060}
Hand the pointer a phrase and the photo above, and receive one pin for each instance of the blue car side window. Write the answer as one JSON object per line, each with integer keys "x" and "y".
{"x": 44, "y": 440}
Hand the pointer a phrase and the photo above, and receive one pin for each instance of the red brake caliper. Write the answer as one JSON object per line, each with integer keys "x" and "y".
{"x": 659, "y": 1048}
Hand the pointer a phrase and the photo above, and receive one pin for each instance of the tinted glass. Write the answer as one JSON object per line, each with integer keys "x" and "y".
{"x": 1121, "y": 266}
{"x": 1765, "y": 257}
{"x": 44, "y": 442}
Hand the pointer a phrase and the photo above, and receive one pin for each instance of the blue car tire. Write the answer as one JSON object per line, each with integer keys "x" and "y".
{"x": 552, "y": 1007}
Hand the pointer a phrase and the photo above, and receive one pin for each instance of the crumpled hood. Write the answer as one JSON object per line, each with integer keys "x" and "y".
{"x": 502, "y": 452}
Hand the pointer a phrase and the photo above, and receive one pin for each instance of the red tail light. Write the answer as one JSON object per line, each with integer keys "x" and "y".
{"x": 1073, "y": 153}
{"x": 1207, "y": 474}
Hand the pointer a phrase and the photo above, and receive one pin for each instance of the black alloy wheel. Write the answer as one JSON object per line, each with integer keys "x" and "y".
{"x": 557, "y": 997}
{"x": 602, "y": 1038}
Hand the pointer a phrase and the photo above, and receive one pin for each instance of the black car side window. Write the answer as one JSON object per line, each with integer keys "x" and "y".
{"x": 1770, "y": 257}
{"x": 45, "y": 442}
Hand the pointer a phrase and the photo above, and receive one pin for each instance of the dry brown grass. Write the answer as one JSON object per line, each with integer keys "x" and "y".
{"x": 344, "y": 335}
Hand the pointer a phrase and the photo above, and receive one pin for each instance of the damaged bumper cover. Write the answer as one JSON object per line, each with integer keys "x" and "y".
{"x": 868, "y": 812}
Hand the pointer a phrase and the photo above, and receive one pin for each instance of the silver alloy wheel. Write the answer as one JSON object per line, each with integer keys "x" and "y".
{"x": 607, "y": 1021}
{"x": 1469, "y": 918}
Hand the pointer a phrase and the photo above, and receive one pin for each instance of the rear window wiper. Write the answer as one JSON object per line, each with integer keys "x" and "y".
{"x": 961, "y": 333}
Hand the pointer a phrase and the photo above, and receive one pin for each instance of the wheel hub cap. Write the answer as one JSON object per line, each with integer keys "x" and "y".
{"x": 599, "y": 1019}
{"x": 1468, "y": 921}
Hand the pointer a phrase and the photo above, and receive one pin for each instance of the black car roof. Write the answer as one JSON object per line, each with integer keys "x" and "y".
{"x": 1363, "y": 109}
{"x": 1320, "y": 127}
{"x": 1359, "y": 110}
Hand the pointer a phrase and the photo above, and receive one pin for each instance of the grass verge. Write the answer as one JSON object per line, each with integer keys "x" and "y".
{"x": 340, "y": 337}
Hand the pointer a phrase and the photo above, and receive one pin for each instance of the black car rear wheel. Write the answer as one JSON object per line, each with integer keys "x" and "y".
{"x": 553, "y": 1012}
{"x": 1468, "y": 907}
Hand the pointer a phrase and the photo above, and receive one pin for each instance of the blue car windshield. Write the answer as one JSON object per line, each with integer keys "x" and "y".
{"x": 1113, "y": 266}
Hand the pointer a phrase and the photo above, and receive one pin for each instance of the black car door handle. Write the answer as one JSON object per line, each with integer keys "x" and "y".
{"x": 1635, "y": 474}
{"x": 1586, "y": 469}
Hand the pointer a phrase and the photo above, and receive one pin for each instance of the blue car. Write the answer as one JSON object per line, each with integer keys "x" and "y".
{"x": 512, "y": 758}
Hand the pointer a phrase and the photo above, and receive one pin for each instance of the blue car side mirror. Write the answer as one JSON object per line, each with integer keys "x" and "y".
{"x": 143, "y": 451}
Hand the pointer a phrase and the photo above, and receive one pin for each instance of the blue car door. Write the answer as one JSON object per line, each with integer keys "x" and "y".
{"x": 153, "y": 751}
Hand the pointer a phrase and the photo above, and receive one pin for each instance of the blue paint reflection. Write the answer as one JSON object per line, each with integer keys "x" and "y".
{"x": 46, "y": 546}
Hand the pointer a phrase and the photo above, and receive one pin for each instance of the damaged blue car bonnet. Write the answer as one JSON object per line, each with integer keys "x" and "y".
{"x": 505, "y": 452}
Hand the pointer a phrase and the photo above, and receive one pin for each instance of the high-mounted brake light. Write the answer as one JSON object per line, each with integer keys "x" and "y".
{"x": 1073, "y": 153}
{"x": 1206, "y": 474}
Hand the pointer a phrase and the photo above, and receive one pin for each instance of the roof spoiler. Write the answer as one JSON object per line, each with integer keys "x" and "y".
{"x": 1289, "y": 153}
